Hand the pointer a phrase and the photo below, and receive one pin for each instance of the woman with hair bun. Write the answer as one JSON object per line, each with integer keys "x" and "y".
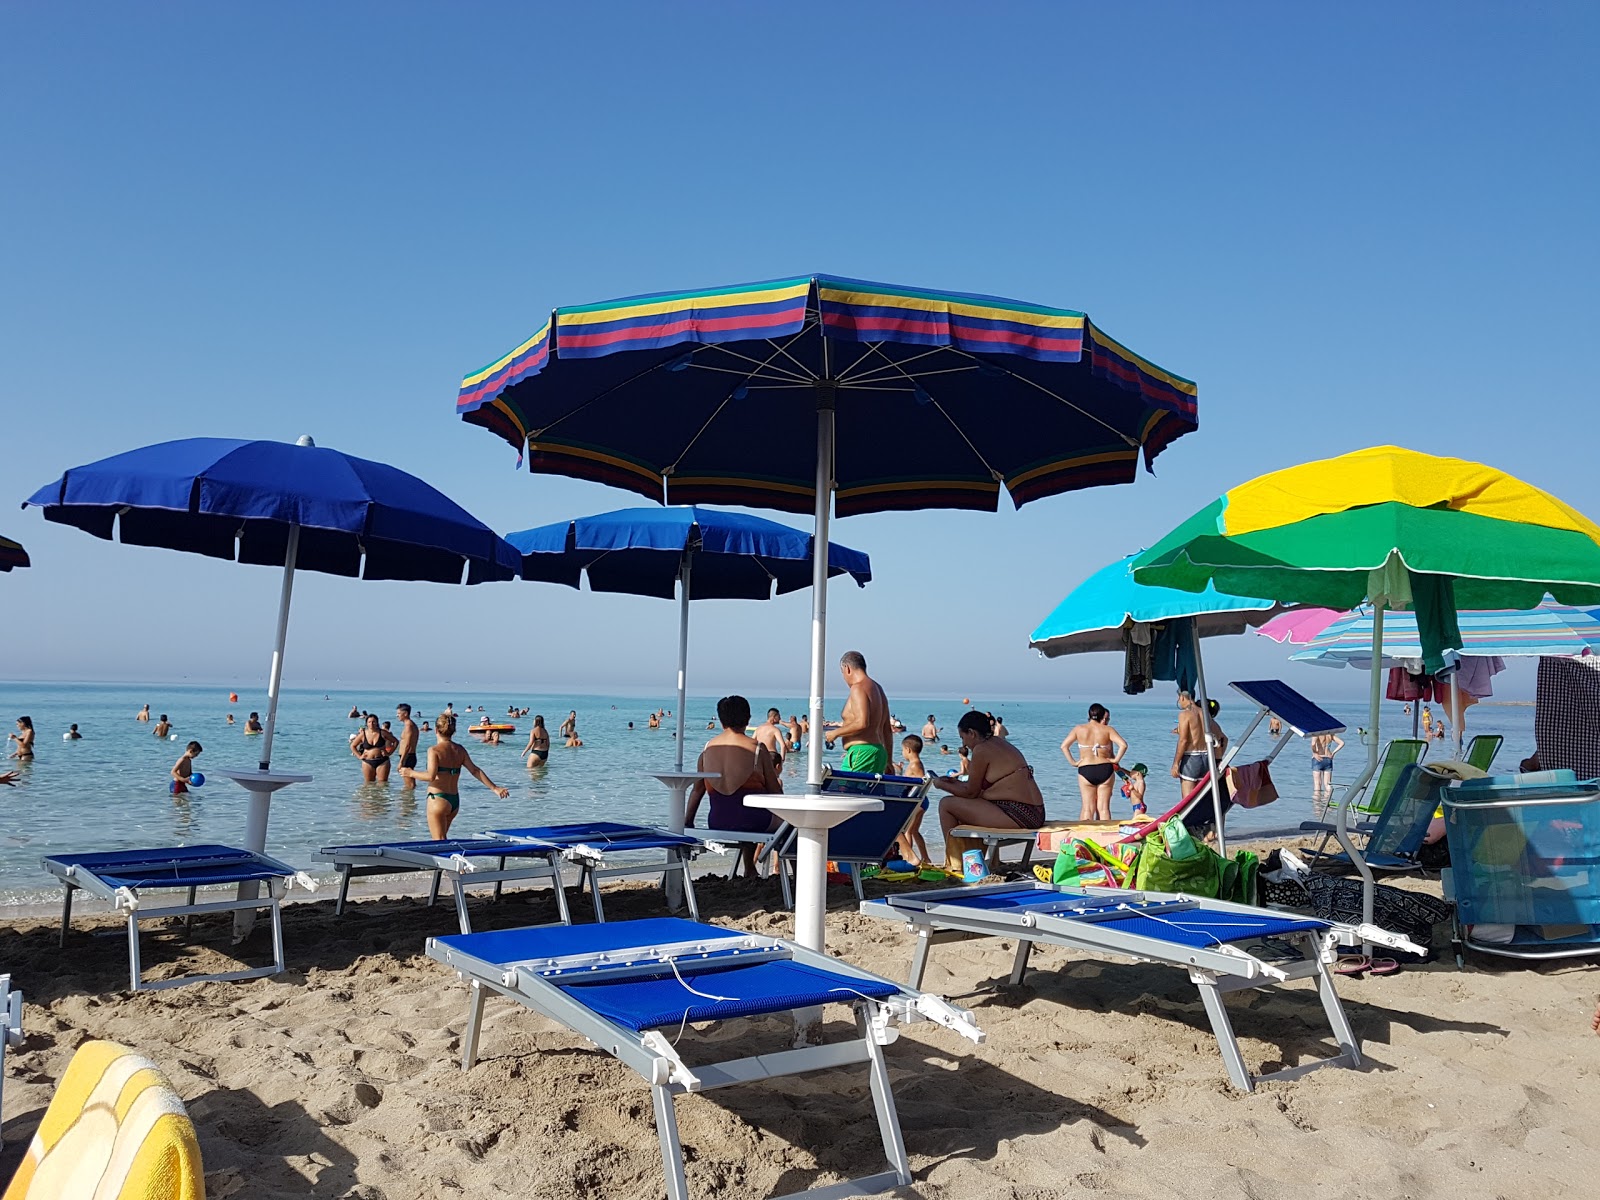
{"x": 1100, "y": 750}
{"x": 446, "y": 761}
{"x": 999, "y": 789}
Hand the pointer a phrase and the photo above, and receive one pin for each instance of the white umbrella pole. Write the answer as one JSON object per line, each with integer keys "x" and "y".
{"x": 680, "y": 788}
{"x": 1211, "y": 748}
{"x": 819, "y": 581}
{"x": 1455, "y": 708}
{"x": 275, "y": 677}
{"x": 1341, "y": 824}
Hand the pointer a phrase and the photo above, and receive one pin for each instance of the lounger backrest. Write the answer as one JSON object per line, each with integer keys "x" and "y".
{"x": 859, "y": 783}
{"x": 1404, "y": 821}
{"x": 1481, "y": 750}
{"x": 868, "y": 836}
{"x": 1397, "y": 756}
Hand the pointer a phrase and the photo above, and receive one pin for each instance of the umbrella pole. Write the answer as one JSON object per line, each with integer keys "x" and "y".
{"x": 675, "y": 817}
{"x": 819, "y": 580}
{"x": 1341, "y": 824}
{"x": 1455, "y": 708}
{"x": 1211, "y": 747}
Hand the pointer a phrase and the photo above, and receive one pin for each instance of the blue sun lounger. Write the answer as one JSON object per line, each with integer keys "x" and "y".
{"x": 464, "y": 861}
{"x": 120, "y": 876}
{"x": 632, "y": 987}
{"x": 10, "y": 1024}
{"x": 594, "y": 846}
{"x": 1208, "y": 938}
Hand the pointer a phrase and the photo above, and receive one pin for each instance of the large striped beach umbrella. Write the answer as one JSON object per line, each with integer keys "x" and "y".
{"x": 1394, "y": 528}
{"x": 12, "y": 555}
{"x": 831, "y": 396}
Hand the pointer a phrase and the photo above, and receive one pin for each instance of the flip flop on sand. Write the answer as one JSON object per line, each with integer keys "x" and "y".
{"x": 1383, "y": 966}
{"x": 1352, "y": 965}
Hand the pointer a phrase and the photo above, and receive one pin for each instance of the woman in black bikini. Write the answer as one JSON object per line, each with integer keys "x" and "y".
{"x": 1100, "y": 750}
{"x": 999, "y": 789}
{"x": 446, "y": 760}
{"x": 373, "y": 746}
{"x": 537, "y": 751}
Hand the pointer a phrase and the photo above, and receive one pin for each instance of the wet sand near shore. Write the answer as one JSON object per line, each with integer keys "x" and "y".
{"x": 341, "y": 1077}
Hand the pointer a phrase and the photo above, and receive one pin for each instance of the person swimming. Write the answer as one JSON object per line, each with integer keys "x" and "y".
{"x": 446, "y": 761}
{"x": 252, "y": 723}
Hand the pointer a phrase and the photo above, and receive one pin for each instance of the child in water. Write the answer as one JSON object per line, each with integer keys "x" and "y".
{"x": 183, "y": 769}
{"x": 1133, "y": 788}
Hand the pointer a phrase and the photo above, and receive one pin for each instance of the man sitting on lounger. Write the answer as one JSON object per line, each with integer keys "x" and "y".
{"x": 864, "y": 725}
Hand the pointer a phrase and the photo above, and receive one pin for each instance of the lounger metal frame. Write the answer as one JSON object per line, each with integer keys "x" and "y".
{"x": 11, "y": 1032}
{"x": 941, "y": 916}
{"x": 590, "y": 857}
{"x": 534, "y": 984}
{"x": 391, "y": 858}
{"x": 129, "y": 900}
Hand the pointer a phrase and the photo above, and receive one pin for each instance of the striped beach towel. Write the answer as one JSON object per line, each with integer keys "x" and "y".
{"x": 115, "y": 1130}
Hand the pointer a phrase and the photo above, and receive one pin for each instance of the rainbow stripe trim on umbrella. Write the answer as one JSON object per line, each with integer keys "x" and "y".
{"x": 527, "y": 359}
{"x": 857, "y": 311}
{"x": 1112, "y": 360}
{"x": 12, "y": 555}
{"x": 733, "y": 314}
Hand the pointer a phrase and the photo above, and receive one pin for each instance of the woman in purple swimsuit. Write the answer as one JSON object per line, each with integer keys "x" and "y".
{"x": 744, "y": 767}
{"x": 998, "y": 791}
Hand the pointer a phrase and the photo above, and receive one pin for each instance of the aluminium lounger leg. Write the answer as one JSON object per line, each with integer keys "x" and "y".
{"x": 66, "y": 914}
{"x": 499, "y": 884}
{"x": 344, "y": 890}
{"x": 461, "y": 903}
{"x": 894, "y": 1145}
{"x": 1019, "y": 965}
{"x": 133, "y": 950}
{"x": 1222, "y": 1027}
{"x": 277, "y": 929}
{"x": 594, "y": 893}
{"x": 561, "y": 889}
{"x": 919, "y": 958}
{"x": 188, "y": 920}
{"x": 433, "y": 889}
{"x": 469, "y": 1036}
{"x": 671, "y": 1148}
{"x": 684, "y": 862}
{"x": 1349, "y": 1044}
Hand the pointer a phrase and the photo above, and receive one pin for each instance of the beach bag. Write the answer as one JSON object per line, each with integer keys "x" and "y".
{"x": 1206, "y": 875}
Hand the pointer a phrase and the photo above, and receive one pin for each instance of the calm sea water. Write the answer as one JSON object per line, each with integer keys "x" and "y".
{"x": 109, "y": 791}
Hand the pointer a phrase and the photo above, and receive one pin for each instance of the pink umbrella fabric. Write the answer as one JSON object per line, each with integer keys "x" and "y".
{"x": 1298, "y": 626}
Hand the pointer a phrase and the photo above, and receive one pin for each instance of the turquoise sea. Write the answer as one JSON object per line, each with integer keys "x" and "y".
{"x": 109, "y": 791}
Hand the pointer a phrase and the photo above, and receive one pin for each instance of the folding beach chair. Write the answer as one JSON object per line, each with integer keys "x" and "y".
{"x": 120, "y": 876}
{"x": 1396, "y": 836}
{"x": 867, "y": 839}
{"x": 632, "y": 988}
{"x": 1483, "y": 749}
{"x": 1399, "y": 754}
{"x": 594, "y": 846}
{"x": 1525, "y": 865}
{"x": 10, "y": 1025}
{"x": 1210, "y": 939}
{"x": 464, "y": 861}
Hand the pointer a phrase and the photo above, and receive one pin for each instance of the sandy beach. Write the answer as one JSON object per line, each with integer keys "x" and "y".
{"x": 340, "y": 1077}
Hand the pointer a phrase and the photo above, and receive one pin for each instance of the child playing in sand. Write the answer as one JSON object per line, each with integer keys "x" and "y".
{"x": 912, "y": 848}
{"x": 183, "y": 769}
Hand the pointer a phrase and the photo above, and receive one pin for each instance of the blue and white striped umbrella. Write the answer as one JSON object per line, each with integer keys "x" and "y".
{"x": 1556, "y": 629}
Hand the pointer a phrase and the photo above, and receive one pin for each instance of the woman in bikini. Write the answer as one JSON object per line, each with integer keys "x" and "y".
{"x": 998, "y": 791}
{"x": 446, "y": 760}
{"x": 1100, "y": 749}
{"x": 373, "y": 746}
{"x": 537, "y": 751}
{"x": 24, "y": 740}
{"x": 744, "y": 767}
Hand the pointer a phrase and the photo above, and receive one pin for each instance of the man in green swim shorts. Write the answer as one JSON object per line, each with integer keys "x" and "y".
{"x": 864, "y": 724}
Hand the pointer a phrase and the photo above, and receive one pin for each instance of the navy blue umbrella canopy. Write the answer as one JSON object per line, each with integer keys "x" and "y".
{"x": 233, "y": 499}
{"x": 641, "y": 551}
{"x": 292, "y": 505}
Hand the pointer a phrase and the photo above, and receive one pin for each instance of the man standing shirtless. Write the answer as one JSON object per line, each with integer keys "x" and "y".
{"x": 864, "y": 724}
{"x": 1189, "y": 764}
{"x": 773, "y": 737}
{"x": 407, "y": 749}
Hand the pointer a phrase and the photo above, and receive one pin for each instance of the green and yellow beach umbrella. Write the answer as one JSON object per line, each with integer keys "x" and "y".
{"x": 1393, "y": 528}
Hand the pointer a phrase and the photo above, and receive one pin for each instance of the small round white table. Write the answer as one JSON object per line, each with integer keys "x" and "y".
{"x": 812, "y": 815}
{"x": 260, "y": 785}
{"x": 678, "y": 781}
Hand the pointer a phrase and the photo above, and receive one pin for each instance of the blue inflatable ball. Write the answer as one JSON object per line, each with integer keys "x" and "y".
{"x": 197, "y": 780}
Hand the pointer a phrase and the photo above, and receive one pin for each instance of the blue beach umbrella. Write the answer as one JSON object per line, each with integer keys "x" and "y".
{"x": 295, "y": 506}
{"x": 12, "y": 555}
{"x": 700, "y": 553}
{"x": 831, "y": 396}
{"x": 1095, "y": 615}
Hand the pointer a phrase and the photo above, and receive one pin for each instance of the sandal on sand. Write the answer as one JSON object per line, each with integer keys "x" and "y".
{"x": 1352, "y": 965}
{"x": 1383, "y": 966}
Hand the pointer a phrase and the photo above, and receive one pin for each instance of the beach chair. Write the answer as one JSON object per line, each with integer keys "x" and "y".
{"x": 466, "y": 862}
{"x": 121, "y": 876}
{"x": 10, "y": 1025}
{"x": 1396, "y": 836}
{"x": 115, "y": 1130}
{"x": 1525, "y": 865}
{"x": 867, "y": 839}
{"x": 1210, "y": 939}
{"x": 1483, "y": 749}
{"x": 595, "y": 846}
{"x": 632, "y": 987}
{"x": 1365, "y": 810}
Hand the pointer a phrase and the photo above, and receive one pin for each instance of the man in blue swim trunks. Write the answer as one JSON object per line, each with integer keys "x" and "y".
{"x": 864, "y": 725}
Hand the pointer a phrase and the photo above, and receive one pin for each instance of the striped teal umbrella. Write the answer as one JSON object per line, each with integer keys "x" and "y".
{"x": 1552, "y": 628}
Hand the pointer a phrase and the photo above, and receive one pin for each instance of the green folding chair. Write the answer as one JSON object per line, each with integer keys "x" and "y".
{"x": 1481, "y": 750}
{"x": 1379, "y": 793}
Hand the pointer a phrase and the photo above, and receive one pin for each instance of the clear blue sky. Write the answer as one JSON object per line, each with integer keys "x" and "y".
{"x": 1350, "y": 224}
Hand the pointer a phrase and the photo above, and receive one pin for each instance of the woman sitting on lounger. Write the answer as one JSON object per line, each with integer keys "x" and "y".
{"x": 744, "y": 767}
{"x": 446, "y": 761}
{"x": 998, "y": 791}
